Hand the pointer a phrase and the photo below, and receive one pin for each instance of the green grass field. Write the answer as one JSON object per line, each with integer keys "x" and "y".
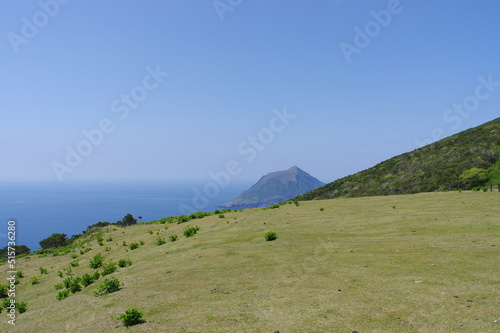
{"x": 411, "y": 263}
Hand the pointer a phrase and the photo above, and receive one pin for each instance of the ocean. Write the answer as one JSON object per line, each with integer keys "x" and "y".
{"x": 43, "y": 208}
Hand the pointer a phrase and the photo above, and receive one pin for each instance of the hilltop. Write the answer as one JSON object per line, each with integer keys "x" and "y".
{"x": 465, "y": 160}
{"x": 409, "y": 263}
{"x": 276, "y": 187}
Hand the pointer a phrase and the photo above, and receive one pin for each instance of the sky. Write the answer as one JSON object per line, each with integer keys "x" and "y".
{"x": 235, "y": 89}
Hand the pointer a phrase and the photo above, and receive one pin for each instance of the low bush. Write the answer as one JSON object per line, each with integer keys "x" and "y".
{"x": 190, "y": 231}
{"x": 160, "y": 241}
{"x": 124, "y": 262}
{"x": 131, "y": 317}
{"x": 107, "y": 287}
{"x": 172, "y": 238}
{"x": 22, "y": 307}
{"x": 62, "y": 294}
{"x": 109, "y": 268}
{"x": 134, "y": 246}
{"x": 96, "y": 261}
{"x": 270, "y": 236}
{"x": 43, "y": 270}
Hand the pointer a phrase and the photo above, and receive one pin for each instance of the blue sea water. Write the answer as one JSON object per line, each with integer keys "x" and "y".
{"x": 42, "y": 208}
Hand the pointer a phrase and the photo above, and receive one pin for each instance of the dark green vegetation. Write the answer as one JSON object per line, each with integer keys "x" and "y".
{"x": 276, "y": 187}
{"x": 463, "y": 161}
{"x": 131, "y": 317}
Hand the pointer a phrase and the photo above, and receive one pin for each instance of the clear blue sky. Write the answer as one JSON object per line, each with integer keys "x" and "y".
{"x": 67, "y": 67}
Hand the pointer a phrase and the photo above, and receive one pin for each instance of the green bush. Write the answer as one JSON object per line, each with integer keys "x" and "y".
{"x": 88, "y": 279}
{"x": 107, "y": 287}
{"x": 131, "y": 317}
{"x": 182, "y": 219}
{"x": 124, "y": 262}
{"x": 62, "y": 294}
{"x": 96, "y": 261}
{"x": 190, "y": 231}
{"x": 75, "y": 285}
{"x": 58, "y": 286}
{"x": 134, "y": 246}
{"x": 35, "y": 280}
{"x": 4, "y": 290}
{"x": 20, "y": 274}
{"x": 109, "y": 268}
{"x": 74, "y": 256}
{"x": 270, "y": 236}
{"x": 321, "y": 209}
{"x": 43, "y": 270}
{"x": 22, "y": 307}
{"x": 160, "y": 241}
{"x": 74, "y": 264}
{"x": 172, "y": 238}
{"x": 221, "y": 216}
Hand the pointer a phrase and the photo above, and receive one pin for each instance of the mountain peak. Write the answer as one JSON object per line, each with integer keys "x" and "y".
{"x": 276, "y": 187}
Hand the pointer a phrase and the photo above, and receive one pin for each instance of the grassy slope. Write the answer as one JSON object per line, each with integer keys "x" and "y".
{"x": 435, "y": 167}
{"x": 350, "y": 267}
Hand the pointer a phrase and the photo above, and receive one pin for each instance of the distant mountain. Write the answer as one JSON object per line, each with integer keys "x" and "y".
{"x": 276, "y": 187}
{"x": 464, "y": 160}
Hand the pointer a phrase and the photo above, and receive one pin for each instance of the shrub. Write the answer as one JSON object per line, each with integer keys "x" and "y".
{"x": 74, "y": 264}
{"x": 58, "y": 286}
{"x": 110, "y": 239}
{"x": 4, "y": 290}
{"x": 96, "y": 261}
{"x": 60, "y": 274}
{"x": 67, "y": 282}
{"x": 134, "y": 246}
{"x": 68, "y": 270}
{"x": 62, "y": 295}
{"x": 321, "y": 209}
{"x": 107, "y": 287}
{"x": 190, "y": 231}
{"x": 6, "y": 302}
{"x": 172, "y": 238}
{"x": 22, "y": 307}
{"x": 124, "y": 243}
{"x": 141, "y": 243}
{"x": 221, "y": 216}
{"x": 43, "y": 270}
{"x": 182, "y": 219}
{"x": 160, "y": 241}
{"x": 109, "y": 268}
{"x": 150, "y": 232}
{"x": 74, "y": 256}
{"x": 35, "y": 280}
{"x": 75, "y": 285}
{"x": 270, "y": 236}
{"x": 88, "y": 279}
{"x": 274, "y": 206}
{"x": 20, "y": 274}
{"x": 124, "y": 262}
{"x": 131, "y": 317}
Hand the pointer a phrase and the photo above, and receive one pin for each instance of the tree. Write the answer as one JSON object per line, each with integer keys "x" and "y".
{"x": 19, "y": 249}
{"x": 54, "y": 241}
{"x": 127, "y": 220}
{"x": 474, "y": 176}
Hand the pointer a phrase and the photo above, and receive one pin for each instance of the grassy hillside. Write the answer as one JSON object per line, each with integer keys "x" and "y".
{"x": 410, "y": 263}
{"x": 438, "y": 166}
